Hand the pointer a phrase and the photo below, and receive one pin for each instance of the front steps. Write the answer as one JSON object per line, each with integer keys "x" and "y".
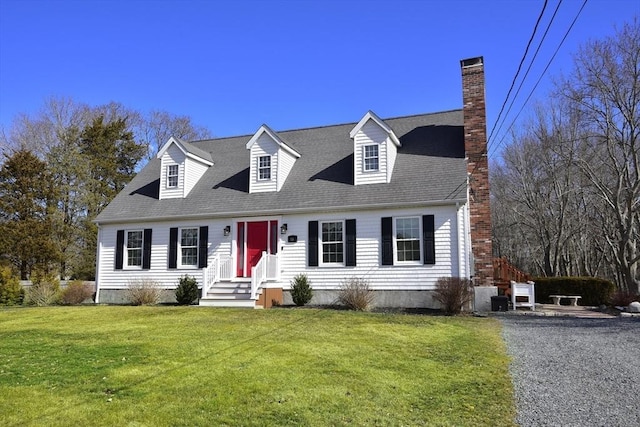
{"x": 229, "y": 294}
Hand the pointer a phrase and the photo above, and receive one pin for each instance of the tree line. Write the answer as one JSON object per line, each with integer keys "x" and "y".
{"x": 566, "y": 192}
{"x": 61, "y": 167}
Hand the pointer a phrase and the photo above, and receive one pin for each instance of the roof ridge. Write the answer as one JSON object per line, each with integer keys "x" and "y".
{"x": 329, "y": 126}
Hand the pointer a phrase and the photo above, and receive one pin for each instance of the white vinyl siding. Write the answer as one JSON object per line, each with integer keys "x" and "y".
{"x": 371, "y": 134}
{"x": 110, "y": 278}
{"x": 189, "y": 172}
{"x": 403, "y": 276}
{"x": 173, "y": 156}
{"x": 264, "y": 146}
{"x": 450, "y": 246}
{"x": 285, "y": 164}
{"x": 193, "y": 172}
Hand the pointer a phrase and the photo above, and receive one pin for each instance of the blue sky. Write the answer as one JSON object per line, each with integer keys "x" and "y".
{"x": 233, "y": 65}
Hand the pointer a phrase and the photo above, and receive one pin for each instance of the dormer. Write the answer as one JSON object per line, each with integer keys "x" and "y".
{"x": 271, "y": 160}
{"x": 181, "y": 166}
{"x": 375, "y": 147}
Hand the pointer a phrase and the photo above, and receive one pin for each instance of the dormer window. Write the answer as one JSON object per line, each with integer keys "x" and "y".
{"x": 172, "y": 176}
{"x": 370, "y": 157}
{"x": 264, "y": 168}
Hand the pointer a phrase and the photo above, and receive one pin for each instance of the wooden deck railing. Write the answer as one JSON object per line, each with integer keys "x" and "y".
{"x": 504, "y": 272}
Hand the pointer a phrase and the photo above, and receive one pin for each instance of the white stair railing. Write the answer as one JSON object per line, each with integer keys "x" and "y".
{"x": 266, "y": 269}
{"x": 220, "y": 268}
{"x": 225, "y": 270}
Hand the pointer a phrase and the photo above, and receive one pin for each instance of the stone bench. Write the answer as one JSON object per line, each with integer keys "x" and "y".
{"x": 556, "y": 298}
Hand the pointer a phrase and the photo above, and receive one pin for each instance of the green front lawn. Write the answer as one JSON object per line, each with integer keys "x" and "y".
{"x": 172, "y": 366}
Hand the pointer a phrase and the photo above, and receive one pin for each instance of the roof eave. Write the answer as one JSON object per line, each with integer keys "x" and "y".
{"x": 285, "y": 211}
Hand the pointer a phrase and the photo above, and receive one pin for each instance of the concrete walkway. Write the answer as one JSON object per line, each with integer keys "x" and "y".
{"x": 558, "y": 310}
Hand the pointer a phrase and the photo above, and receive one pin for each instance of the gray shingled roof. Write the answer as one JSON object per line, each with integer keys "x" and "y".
{"x": 430, "y": 168}
{"x": 196, "y": 151}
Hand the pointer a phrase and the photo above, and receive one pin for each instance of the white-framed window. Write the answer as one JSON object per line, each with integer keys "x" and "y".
{"x": 172, "y": 176}
{"x": 188, "y": 247}
{"x": 370, "y": 158}
{"x": 264, "y": 168}
{"x": 133, "y": 250}
{"x": 407, "y": 236}
{"x": 332, "y": 242}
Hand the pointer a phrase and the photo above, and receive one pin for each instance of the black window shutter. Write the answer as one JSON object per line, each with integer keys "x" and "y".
{"x": 146, "y": 249}
{"x": 428, "y": 239}
{"x": 203, "y": 243}
{"x": 173, "y": 248}
{"x": 119, "y": 248}
{"x": 387, "y": 241}
{"x": 313, "y": 243}
{"x": 350, "y": 257}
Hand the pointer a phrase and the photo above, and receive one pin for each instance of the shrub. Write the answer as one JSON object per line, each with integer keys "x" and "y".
{"x": 301, "y": 291}
{"x": 594, "y": 291}
{"x": 76, "y": 292}
{"x": 143, "y": 292}
{"x": 187, "y": 291}
{"x": 356, "y": 294}
{"x": 11, "y": 293}
{"x": 44, "y": 289}
{"x": 43, "y": 294}
{"x": 453, "y": 293}
{"x": 623, "y": 299}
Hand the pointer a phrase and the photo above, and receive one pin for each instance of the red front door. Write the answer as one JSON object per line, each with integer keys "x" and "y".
{"x": 257, "y": 242}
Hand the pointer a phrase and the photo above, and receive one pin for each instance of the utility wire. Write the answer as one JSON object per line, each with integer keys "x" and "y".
{"x": 535, "y": 29}
{"x": 542, "y": 75}
{"x": 535, "y": 55}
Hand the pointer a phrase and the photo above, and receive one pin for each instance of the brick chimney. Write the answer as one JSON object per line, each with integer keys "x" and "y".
{"x": 475, "y": 145}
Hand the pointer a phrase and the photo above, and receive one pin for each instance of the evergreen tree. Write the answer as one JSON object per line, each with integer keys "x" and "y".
{"x": 27, "y": 200}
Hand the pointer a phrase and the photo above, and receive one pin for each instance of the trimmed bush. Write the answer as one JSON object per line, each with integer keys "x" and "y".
{"x": 594, "y": 291}
{"x": 76, "y": 293}
{"x": 356, "y": 294}
{"x": 301, "y": 291}
{"x": 187, "y": 291}
{"x": 453, "y": 293}
{"x": 143, "y": 292}
{"x": 11, "y": 293}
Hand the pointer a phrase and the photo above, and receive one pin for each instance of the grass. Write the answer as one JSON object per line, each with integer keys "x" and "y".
{"x": 187, "y": 366}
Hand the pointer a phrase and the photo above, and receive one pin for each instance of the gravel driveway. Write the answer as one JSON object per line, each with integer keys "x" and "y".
{"x": 574, "y": 372}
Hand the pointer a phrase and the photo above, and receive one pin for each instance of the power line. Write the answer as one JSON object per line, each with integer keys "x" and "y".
{"x": 535, "y": 55}
{"x": 541, "y": 75}
{"x": 535, "y": 29}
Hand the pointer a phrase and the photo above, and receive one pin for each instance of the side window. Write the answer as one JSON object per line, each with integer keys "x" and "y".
{"x": 408, "y": 240}
{"x": 134, "y": 248}
{"x": 172, "y": 176}
{"x": 407, "y": 237}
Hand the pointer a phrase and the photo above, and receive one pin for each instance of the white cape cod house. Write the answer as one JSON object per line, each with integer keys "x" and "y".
{"x": 387, "y": 200}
